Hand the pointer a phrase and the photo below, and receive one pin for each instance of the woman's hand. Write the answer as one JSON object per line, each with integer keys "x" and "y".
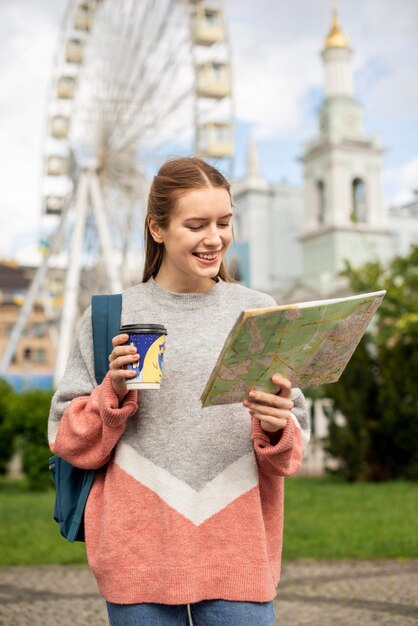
{"x": 273, "y": 410}
{"x": 121, "y": 356}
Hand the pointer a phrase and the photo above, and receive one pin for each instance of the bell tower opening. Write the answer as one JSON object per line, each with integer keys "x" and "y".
{"x": 359, "y": 201}
{"x": 320, "y": 186}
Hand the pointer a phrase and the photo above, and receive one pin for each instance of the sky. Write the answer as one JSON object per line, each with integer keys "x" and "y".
{"x": 278, "y": 87}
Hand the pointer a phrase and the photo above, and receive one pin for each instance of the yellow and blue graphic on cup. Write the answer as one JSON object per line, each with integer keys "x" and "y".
{"x": 149, "y": 340}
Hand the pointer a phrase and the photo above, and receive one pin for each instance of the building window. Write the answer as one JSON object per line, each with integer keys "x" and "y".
{"x": 40, "y": 355}
{"x": 211, "y": 17}
{"x": 320, "y": 185}
{"x": 39, "y": 330}
{"x": 359, "y": 207}
{"x": 27, "y": 354}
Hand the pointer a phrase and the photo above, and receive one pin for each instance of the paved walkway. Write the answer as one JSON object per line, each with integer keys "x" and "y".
{"x": 312, "y": 593}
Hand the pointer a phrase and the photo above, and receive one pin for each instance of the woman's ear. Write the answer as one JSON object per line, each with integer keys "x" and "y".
{"x": 154, "y": 229}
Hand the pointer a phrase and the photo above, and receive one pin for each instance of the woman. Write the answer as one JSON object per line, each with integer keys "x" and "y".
{"x": 188, "y": 509}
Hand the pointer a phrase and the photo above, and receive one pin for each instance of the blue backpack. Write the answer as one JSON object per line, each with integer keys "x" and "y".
{"x": 72, "y": 484}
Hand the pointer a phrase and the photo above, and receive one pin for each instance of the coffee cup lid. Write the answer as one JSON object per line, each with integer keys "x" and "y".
{"x": 152, "y": 329}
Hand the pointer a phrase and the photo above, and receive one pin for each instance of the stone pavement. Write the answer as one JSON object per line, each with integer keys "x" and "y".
{"x": 311, "y": 593}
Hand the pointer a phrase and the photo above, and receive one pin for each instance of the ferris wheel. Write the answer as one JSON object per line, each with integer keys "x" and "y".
{"x": 133, "y": 83}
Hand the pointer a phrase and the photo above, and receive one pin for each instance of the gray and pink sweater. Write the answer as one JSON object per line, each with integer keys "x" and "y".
{"x": 189, "y": 505}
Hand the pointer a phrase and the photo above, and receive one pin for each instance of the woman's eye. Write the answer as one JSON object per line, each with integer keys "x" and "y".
{"x": 220, "y": 225}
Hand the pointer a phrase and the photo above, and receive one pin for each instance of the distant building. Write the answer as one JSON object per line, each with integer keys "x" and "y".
{"x": 33, "y": 362}
{"x": 403, "y": 222}
{"x": 267, "y": 229}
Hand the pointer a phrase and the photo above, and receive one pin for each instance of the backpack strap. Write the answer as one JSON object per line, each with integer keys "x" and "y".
{"x": 106, "y": 314}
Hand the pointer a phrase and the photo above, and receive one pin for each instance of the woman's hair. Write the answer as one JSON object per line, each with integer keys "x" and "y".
{"x": 176, "y": 177}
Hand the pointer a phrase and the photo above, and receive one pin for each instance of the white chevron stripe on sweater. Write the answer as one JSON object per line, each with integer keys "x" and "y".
{"x": 197, "y": 506}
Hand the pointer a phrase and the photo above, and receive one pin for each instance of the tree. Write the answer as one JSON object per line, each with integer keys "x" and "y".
{"x": 377, "y": 392}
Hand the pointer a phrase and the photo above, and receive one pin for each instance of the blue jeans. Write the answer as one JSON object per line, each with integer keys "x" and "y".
{"x": 205, "y": 613}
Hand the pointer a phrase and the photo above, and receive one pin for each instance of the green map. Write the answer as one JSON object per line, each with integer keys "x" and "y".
{"x": 309, "y": 343}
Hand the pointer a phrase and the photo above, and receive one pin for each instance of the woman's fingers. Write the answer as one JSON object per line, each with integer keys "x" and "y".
{"x": 120, "y": 339}
{"x": 121, "y": 356}
{"x": 271, "y": 399}
{"x": 120, "y": 350}
{"x": 284, "y": 385}
{"x": 120, "y": 362}
{"x": 272, "y": 409}
{"x": 117, "y": 375}
{"x": 270, "y": 424}
{"x": 281, "y": 412}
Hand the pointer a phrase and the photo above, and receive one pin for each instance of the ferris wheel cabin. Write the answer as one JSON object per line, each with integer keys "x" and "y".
{"x": 74, "y": 51}
{"x": 208, "y": 25}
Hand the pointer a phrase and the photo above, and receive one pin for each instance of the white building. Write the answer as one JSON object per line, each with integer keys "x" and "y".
{"x": 268, "y": 257}
{"x": 293, "y": 242}
{"x": 403, "y": 222}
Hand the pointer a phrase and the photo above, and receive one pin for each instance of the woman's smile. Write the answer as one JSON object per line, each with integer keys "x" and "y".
{"x": 207, "y": 257}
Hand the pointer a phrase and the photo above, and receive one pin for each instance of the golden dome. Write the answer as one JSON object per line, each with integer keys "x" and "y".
{"x": 336, "y": 38}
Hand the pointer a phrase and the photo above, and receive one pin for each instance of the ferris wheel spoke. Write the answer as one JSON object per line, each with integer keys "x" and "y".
{"x": 152, "y": 93}
{"x": 155, "y": 124}
{"x": 148, "y": 46}
{"x": 130, "y": 51}
{"x": 147, "y": 78}
{"x": 156, "y": 37}
{"x": 148, "y": 115}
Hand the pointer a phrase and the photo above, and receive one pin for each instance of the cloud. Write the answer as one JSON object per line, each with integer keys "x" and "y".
{"x": 386, "y": 39}
{"x": 274, "y": 70}
{"x": 26, "y": 54}
{"x": 404, "y": 179}
{"x": 268, "y": 88}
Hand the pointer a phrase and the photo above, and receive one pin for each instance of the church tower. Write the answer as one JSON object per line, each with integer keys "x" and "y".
{"x": 344, "y": 212}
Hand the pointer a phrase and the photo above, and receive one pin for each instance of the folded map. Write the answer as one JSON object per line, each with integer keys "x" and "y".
{"x": 309, "y": 343}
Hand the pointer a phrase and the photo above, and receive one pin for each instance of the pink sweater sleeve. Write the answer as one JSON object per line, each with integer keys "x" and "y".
{"x": 283, "y": 458}
{"x": 91, "y": 426}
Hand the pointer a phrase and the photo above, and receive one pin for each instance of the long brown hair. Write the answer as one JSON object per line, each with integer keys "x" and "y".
{"x": 176, "y": 177}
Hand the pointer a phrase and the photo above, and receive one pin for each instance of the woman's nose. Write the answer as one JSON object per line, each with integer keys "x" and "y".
{"x": 212, "y": 236}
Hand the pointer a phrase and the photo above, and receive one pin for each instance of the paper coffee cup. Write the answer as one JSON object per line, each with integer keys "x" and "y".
{"x": 149, "y": 340}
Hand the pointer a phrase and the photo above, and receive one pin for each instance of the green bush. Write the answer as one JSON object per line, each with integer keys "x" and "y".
{"x": 7, "y": 432}
{"x": 30, "y": 414}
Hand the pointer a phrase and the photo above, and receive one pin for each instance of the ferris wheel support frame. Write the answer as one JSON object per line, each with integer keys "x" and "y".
{"x": 88, "y": 190}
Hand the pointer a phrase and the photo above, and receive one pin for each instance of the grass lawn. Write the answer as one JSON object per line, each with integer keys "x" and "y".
{"x": 324, "y": 518}
{"x": 328, "y": 518}
{"x": 28, "y": 534}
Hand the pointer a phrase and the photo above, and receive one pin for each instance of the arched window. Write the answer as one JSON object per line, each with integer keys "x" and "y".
{"x": 359, "y": 207}
{"x": 320, "y": 185}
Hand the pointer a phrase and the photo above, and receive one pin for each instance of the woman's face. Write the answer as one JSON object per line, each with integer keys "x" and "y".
{"x": 195, "y": 241}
